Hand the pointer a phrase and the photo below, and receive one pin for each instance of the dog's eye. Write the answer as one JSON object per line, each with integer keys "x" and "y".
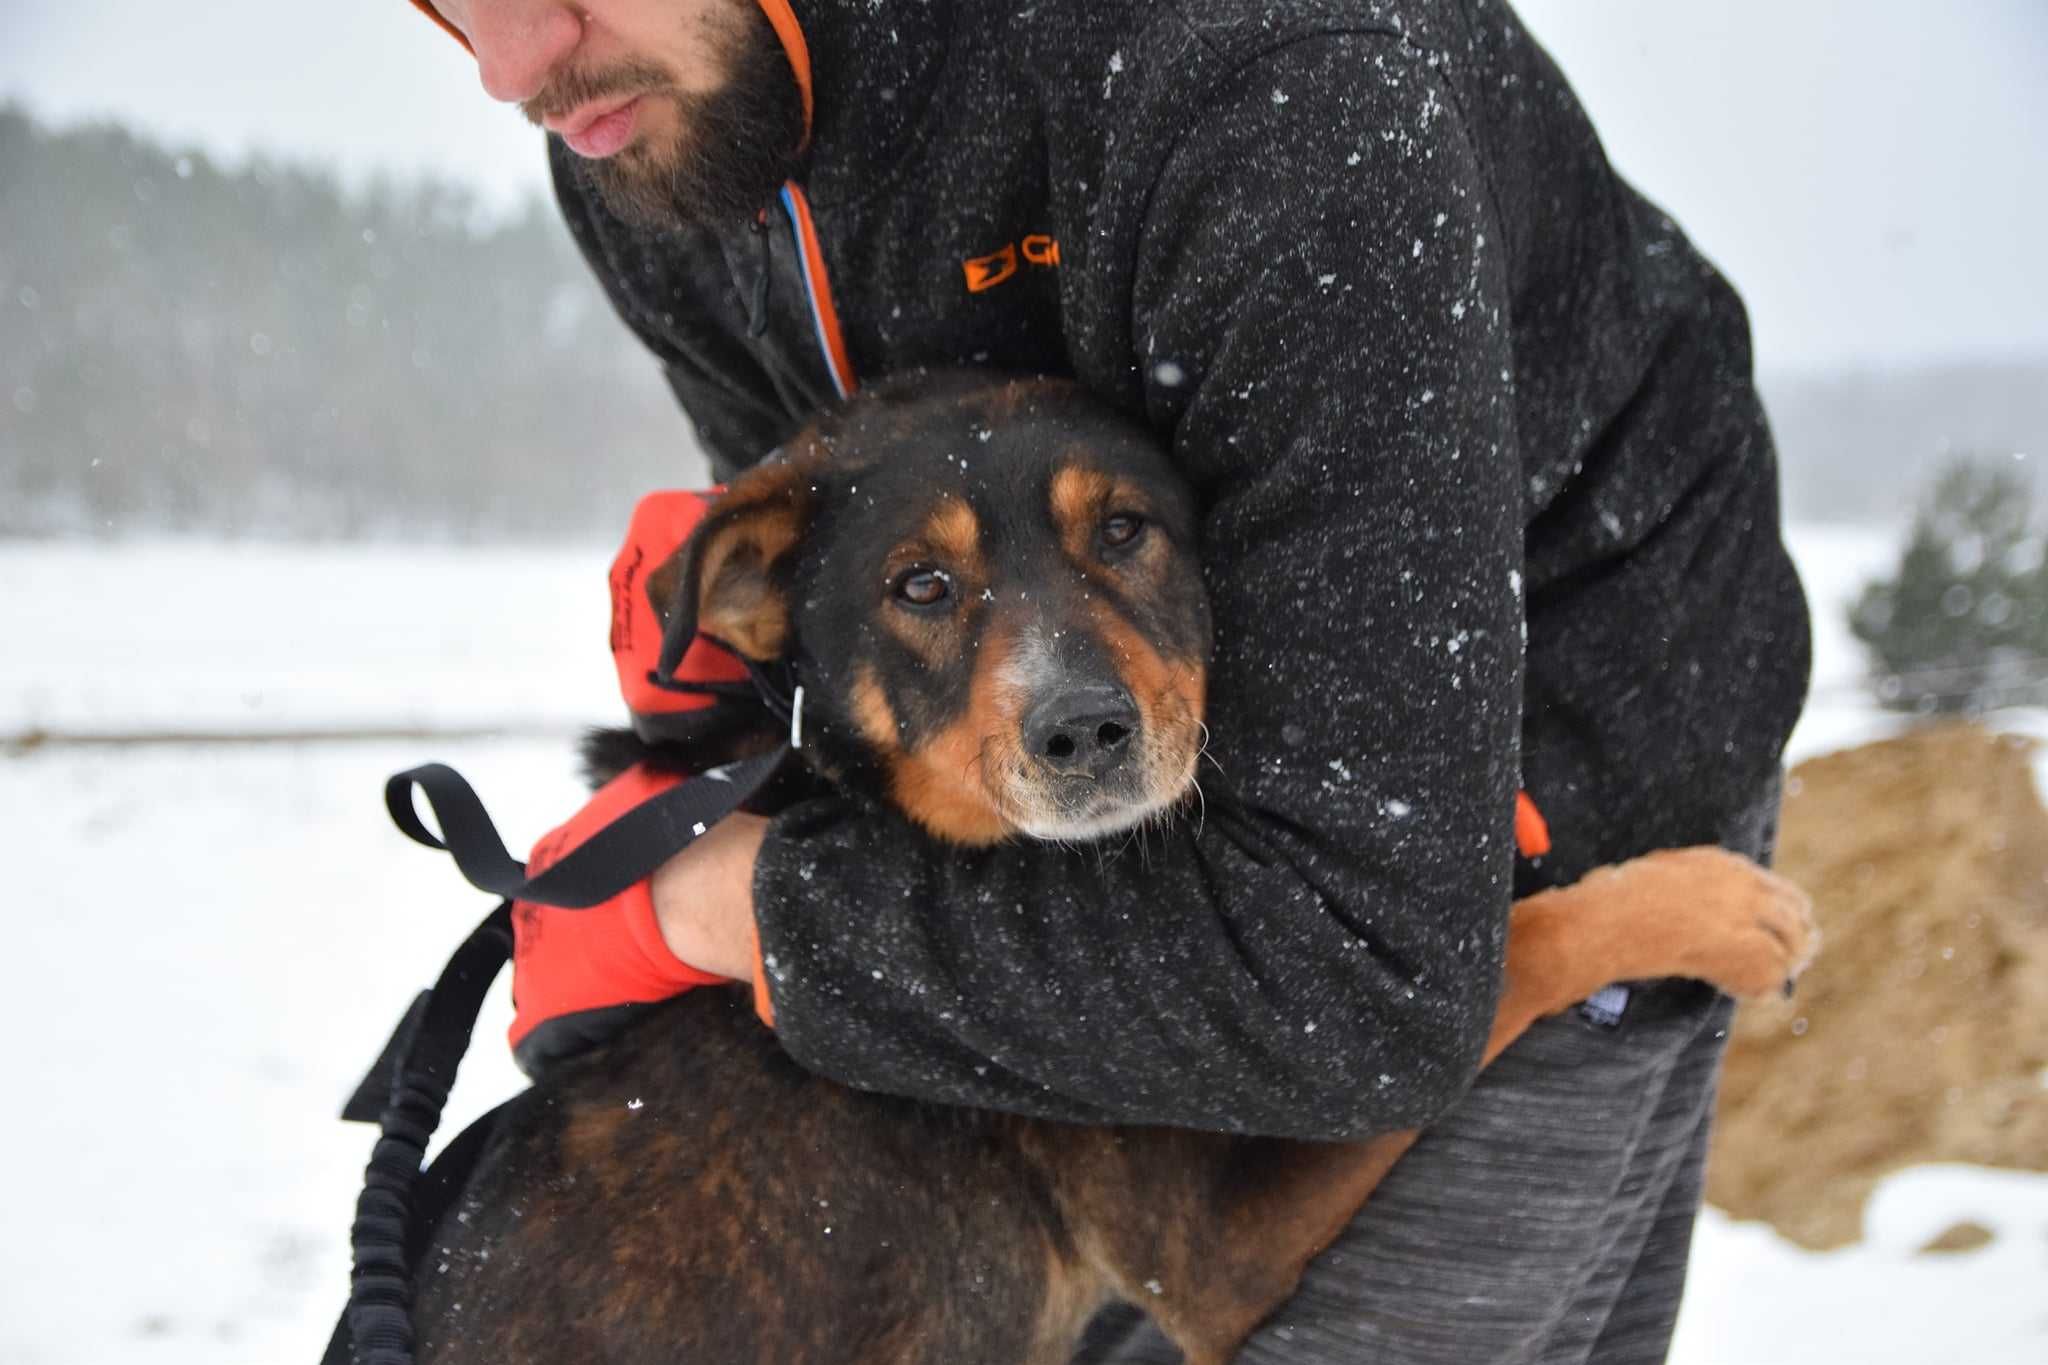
{"x": 923, "y": 587}
{"x": 1121, "y": 529}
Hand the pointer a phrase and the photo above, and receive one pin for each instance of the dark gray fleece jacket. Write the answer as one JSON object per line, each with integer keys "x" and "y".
{"x": 1488, "y": 501}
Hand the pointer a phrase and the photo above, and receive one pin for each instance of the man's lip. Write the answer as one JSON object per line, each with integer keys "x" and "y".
{"x": 583, "y": 115}
{"x": 580, "y": 118}
{"x": 598, "y": 129}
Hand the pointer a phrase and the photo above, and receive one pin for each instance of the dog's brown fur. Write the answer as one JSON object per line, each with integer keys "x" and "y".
{"x": 689, "y": 1193}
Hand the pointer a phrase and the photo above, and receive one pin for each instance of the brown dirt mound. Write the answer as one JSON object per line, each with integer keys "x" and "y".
{"x": 1921, "y": 1033}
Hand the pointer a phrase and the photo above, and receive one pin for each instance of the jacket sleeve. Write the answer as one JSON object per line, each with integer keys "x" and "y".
{"x": 1319, "y": 307}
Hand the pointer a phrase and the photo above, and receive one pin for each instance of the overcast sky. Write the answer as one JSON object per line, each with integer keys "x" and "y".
{"x": 1872, "y": 173}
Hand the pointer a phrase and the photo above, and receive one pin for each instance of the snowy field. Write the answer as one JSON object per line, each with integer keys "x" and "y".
{"x": 216, "y": 937}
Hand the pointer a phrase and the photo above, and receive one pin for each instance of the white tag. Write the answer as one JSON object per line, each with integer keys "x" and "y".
{"x": 1605, "y": 1006}
{"x": 796, "y": 719}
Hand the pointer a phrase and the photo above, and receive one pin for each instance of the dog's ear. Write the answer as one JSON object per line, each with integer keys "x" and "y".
{"x": 726, "y": 579}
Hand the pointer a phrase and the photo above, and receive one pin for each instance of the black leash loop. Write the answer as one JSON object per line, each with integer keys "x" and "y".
{"x": 625, "y": 851}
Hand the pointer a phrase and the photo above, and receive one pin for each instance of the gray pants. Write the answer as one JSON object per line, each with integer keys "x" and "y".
{"x": 1545, "y": 1221}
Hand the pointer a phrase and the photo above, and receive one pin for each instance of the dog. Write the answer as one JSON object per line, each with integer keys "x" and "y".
{"x": 991, "y": 593}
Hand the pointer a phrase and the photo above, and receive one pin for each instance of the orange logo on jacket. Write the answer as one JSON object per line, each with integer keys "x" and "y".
{"x": 986, "y": 272}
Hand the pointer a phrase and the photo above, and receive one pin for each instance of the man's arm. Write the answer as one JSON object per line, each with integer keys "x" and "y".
{"x": 1322, "y": 313}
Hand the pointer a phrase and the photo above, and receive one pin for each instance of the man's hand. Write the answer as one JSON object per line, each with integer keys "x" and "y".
{"x": 704, "y": 898}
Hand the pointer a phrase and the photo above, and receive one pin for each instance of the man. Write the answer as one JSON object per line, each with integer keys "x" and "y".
{"x": 1488, "y": 501}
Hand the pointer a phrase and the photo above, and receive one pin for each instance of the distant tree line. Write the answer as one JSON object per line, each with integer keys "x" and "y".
{"x": 190, "y": 348}
{"x": 187, "y": 347}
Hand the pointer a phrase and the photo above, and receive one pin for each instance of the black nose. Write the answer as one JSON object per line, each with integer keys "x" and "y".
{"x": 1086, "y": 731}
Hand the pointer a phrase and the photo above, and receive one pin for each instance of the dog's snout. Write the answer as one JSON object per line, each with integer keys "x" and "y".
{"x": 1085, "y": 732}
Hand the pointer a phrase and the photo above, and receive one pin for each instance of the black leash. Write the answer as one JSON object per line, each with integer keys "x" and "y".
{"x": 418, "y": 1066}
{"x": 407, "y": 1088}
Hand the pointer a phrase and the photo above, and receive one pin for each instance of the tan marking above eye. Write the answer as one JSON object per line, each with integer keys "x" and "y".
{"x": 1079, "y": 496}
{"x": 953, "y": 532}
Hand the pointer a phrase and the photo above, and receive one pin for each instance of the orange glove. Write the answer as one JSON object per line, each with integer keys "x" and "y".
{"x": 661, "y": 522}
{"x": 579, "y": 975}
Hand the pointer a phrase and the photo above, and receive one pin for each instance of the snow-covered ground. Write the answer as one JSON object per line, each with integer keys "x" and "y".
{"x": 233, "y": 639}
{"x": 212, "y": 940}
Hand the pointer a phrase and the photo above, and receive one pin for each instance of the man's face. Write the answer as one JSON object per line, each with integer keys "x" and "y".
{"x": 679, "y": 110}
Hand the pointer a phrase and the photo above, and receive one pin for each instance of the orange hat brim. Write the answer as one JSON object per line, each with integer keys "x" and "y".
{"x": 426, "y": 7}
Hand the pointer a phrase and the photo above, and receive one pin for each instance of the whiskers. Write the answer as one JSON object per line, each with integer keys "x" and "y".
{"x": 1203, "y": 752}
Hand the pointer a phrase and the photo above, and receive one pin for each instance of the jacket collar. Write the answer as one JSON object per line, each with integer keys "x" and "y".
{"x": 868, "y": 70}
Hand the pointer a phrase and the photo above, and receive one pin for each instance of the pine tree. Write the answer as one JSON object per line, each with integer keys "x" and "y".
{"x": 1962, "y": 626}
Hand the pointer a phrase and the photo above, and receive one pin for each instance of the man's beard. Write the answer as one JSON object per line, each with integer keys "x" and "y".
{"x": 729, "y": 151}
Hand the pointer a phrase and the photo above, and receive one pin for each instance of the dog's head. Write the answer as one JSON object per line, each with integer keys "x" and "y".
{"x": 990, "y": 595}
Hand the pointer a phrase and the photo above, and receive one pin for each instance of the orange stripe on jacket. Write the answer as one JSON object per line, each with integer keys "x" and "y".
{"x": 1532, "y": 831}
{"x": 791, "y": 34}
{"x": 821, "y": 288}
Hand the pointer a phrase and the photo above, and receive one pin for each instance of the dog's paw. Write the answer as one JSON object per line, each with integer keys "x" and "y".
{"x": 1724, "y": 920}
